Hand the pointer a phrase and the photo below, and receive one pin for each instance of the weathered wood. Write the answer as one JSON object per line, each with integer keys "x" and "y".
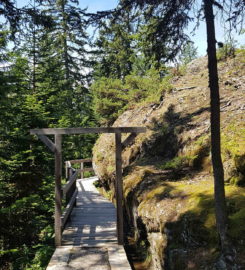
{"x": 58, "y": 193}
{"x": 91, "y": 227}
{"x": 69, "y": 163}
{"x": 68, "y": 208}
{"x": 128, "y": 140}
{"x": 70, "y": 183}
{"x": 93, "y": 220}
{"x": 80, "y": 160}
{"x": 51, "y": 131}
{"x": 47, "y": 142}
{"x": 119, "y": 188}
{"x": 68, "y": 169}
{"x": 82, "y": 170}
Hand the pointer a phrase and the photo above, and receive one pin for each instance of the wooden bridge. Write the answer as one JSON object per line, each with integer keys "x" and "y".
{"x": 89, "y": 231}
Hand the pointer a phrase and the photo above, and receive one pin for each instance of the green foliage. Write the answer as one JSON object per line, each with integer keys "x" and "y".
{"x": 177, "y": 163}
{"x": 115, "y": 47}
{"x": 39, "y": 87}
{"x": 109, "y": 98}
{"x": 188, "y": 53}
{"x": 113, "y": 96}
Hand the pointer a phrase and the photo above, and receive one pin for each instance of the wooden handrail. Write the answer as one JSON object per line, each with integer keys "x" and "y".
{"x": 80, "y": 160}
{"x": 85, "y": 170}
{"x": 67, "y": 188}
{"x": 69, "y": 184}
{"x": 68, "y": 209}
{"x": 57, "y": 149}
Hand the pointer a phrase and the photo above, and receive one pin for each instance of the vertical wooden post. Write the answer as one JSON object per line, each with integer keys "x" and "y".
{"x": 69, "y": 170}
{"x": 66, "y": 169}
{"x": 58, "y": 194}
{"x": 82, "y": 167}
{"x": 119, "y": 188}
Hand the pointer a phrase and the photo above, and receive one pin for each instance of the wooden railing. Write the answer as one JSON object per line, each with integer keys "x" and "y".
{"x": 69, "y": 190}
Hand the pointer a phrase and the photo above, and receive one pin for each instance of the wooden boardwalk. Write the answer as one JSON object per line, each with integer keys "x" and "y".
{"x": 89, "y": 240}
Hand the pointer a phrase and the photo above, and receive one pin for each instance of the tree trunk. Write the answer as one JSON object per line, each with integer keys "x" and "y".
{"x": 65, "y": 33}
{"x": 218, "y": 171}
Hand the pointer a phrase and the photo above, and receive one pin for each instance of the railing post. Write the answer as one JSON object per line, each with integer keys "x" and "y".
{"x": 119, "y": 188}
{"x": 66, "y": 169}
{"x": 82, "y": 167}
{"x": 58, "y": 194}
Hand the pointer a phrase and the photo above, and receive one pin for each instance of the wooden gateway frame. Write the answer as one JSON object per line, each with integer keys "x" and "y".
{"x": 56, "y": 148}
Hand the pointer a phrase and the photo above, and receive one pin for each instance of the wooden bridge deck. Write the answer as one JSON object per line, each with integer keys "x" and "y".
{"x": 89, "y": 239}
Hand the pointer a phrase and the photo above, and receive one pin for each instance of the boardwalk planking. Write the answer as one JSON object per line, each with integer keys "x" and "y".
{"x": 91, "y": 219}
{"x": 89, "y": 240}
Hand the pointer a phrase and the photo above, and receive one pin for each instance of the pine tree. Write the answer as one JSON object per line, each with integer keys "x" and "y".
{"x": 116, "y": 46}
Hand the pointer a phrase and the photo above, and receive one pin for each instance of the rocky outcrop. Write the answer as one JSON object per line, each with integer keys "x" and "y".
{"x": 167, "y": 181}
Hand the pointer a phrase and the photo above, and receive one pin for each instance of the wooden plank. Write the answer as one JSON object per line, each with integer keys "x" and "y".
{"x": 80, "y": 160}
{"x": 128, "y": 140}
{"x": 50, "y": 131}
{"x": 47, "y": 142}
{"x": 68, "y": 208}
{"x": 69, "y": 163}
{"x": 94, "y": 221}
{"x": 69, "y": 184}
{"x": 66, "y": 169}
{"x": 92, "y": 226}
{"x": 82, "y": 170}
{"x": 58, "y": 193}
{"x": 119, "y": 188}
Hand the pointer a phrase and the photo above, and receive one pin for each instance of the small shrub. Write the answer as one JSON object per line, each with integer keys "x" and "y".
{"x": 112, "y": 96}
{"x": 227, "y": 50}
{"x": 177, "y": 163}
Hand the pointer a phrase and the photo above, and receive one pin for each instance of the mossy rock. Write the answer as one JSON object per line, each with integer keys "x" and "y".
{"x": 237, "y": 221}
{"x": 240, "y": 166}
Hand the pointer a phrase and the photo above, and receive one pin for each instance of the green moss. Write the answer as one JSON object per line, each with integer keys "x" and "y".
{"x": 232, "y": 139}
{"x": 240, "y": 163}
{"x": 177, "y": 163}
{"x": 99, "y": 157}
{"x": 110, "y": 169}
{"x": 159, "y": 191}
{"x": 135, "y": 178}
{"x": 198, "y": 212}
{"x": 98, "y": 184}
{"x": 237, "y": 221}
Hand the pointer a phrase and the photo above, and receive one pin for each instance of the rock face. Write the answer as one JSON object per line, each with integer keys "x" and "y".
{"x": 167, "y": 174}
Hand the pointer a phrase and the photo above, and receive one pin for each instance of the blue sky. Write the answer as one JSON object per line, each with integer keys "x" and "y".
{"x": 200, "y": 34}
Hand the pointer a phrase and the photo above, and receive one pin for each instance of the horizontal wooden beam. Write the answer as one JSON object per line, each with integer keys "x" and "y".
{"x": 70, "y": 131}
{"x": 80, "y": 160}
{"x": 68, "y": 185}
{"x": 68, "y": 209}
